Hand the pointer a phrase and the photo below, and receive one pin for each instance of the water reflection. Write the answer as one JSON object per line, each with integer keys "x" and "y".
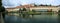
{"x": 32, "y": 19}
{"x": 59, "y": 18}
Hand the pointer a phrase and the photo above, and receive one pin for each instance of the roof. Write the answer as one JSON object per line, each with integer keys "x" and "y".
{"x": 31, "y": 6}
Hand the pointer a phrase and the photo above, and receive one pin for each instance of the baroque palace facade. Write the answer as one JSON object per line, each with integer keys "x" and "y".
{"x": 32, "y": 7}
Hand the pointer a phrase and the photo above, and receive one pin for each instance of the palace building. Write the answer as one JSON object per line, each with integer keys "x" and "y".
{"x": 37, "y": 8}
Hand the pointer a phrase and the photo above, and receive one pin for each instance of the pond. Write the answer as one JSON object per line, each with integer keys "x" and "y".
{"x": 43, "y": 18}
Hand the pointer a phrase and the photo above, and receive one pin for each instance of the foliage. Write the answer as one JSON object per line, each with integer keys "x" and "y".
{"x": 24, "y": 9}
{"x": 2, "y": 9}
{"x": 33, "y": 11}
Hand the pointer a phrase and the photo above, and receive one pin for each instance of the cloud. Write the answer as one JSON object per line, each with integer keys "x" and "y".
{"x": 18, "y": 2}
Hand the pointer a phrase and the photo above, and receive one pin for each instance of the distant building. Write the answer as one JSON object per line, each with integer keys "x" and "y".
{"x": 32, "y": 7}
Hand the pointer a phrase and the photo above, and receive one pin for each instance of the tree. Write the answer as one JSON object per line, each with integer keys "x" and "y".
{"x": 34, "y": 4}
{"x": 21, "y": 11}
{"x": 33, "y": 11}
{"x": 2, "y": 10}
{"x": 24, "y": 9}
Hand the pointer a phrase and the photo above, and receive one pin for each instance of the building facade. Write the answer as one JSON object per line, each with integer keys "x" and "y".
{"x": 31, "y": 7}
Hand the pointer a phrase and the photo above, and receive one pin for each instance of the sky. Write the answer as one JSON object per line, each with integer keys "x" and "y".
{"x": 14, "y": 3}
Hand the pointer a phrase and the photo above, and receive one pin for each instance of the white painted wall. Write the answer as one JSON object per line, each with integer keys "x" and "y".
{"x": 53, "y": 8}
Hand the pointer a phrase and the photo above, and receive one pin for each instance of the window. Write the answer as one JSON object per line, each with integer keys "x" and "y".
{"x": 41, "y": 10}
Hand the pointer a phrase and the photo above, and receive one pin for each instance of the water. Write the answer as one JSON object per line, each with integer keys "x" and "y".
{"x": 32, "y": 19}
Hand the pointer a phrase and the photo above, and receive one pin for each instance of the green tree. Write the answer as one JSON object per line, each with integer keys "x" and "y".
{"x": 33, "y": 11}
{"x": 24, "y": 9}
{"x": 2, "y": 9}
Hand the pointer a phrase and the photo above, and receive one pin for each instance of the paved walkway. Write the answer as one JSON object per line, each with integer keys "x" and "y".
{"x": 1, "y": 19}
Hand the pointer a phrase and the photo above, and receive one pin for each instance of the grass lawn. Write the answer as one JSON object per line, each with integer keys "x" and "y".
{"x": 35, "y": 13}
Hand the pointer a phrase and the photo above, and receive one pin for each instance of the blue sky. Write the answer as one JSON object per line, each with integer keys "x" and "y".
{"x": 13, "y": 3}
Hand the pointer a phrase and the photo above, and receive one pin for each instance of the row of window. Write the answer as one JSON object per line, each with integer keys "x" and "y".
{"x": 43, "y": 10}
